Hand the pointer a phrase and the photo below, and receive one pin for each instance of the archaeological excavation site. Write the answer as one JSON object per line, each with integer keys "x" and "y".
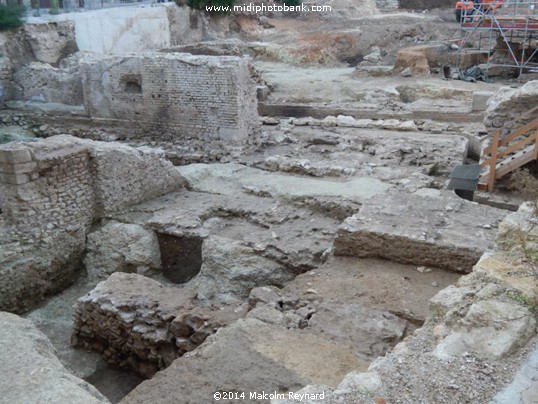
{"x": 268, "y": 206}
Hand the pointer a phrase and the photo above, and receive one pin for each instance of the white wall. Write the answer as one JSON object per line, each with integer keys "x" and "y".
{"x": 120, "y": 30}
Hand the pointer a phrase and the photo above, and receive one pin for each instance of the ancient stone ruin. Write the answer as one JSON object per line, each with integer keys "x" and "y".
{"x": 199, "y": 206}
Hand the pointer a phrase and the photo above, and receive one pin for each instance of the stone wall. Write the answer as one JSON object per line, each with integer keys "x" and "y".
{"x": 46, "y": 43}
{"x": 47, "y": 184}
{"x": 43, "y": 83}
{"x": 63, "y": 181}
{"x": 135, "y": 29}
{"x": 173, "y": 96}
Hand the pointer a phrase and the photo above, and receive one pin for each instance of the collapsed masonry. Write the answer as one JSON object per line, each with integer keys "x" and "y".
{"x": 54, "y": 189}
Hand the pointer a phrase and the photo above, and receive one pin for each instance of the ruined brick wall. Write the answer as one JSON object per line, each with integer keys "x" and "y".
{"x": 46, "y": 184}
{"x": 63, "y": 181}
{"x": 173, "y": 96}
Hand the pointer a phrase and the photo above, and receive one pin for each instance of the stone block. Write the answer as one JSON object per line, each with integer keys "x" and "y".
{"x": 15, "y": 153}
{"x": 21, "y": 168}
{"x": 480, "y": 100}
{"x": 444, "y": 231}
{"x": 14, "y": 179}
{"x": 262, "y": 92}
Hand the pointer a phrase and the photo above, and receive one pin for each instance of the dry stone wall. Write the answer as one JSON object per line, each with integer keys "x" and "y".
{"x": 173, "y": 96}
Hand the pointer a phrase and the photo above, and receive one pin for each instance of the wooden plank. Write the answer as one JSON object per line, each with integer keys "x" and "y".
{"x": 493, "y": 162}
{"x": 519, "y": 132}
{"x": 518, "y": 145}
{"x": 525, "y": 158}
{"x": 489, "y": 149}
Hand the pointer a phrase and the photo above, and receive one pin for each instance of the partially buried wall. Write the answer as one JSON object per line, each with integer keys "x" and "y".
{"x": 64, "y": 181}
{"x": 173, "y": 96}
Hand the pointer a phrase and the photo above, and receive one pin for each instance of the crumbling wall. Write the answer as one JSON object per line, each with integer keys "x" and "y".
{"x": 64, "y": 181}
{"x": 47, "y": 184}
{"x": 137, "y": 323}
{"x": 46, "y": 43}
{"x": 173, "y": 96}
{"x": 43, "y": 83}
{"x": 508, "y": 106}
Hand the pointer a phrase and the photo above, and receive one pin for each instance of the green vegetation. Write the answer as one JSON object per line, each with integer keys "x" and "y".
{"x": 526, "y": 301}
{"x": 54, "y": 7}
{"x": 36, "y": 6}
{"x": 11, "y": 16}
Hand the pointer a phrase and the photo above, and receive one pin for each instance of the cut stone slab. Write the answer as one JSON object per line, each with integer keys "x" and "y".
{"x": 231, "y": 178}
{"x": 444, "y": 231}
{"x": 248, "y": 355}
{"x": 138, "y": 323}
{"x": 31, "y": 373}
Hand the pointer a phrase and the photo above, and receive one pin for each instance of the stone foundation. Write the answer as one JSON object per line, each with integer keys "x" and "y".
{"x": 138, "y": 323}
{"x": 445, "y": 232}
{"x": 65, "y": 181}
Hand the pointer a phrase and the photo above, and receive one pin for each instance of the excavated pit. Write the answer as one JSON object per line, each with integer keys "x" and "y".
{"x": 181, "y": 257}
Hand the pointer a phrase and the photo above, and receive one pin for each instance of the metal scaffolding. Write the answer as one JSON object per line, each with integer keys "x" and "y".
{"x": 500, "y": 34}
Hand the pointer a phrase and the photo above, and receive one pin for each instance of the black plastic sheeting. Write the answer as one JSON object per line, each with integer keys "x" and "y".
{"x": 473, "y": 75}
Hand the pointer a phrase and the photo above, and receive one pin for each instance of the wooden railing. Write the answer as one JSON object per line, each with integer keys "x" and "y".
{"x": 505, "y": 155}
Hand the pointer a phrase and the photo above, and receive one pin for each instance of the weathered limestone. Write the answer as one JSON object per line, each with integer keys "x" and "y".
{"x": 518, "y": 232}
{"x": 121, "y": 247}
{"x": 173, "y": 96}
{"x": 372, "y": 332}
{"x": 277, "y": 231}
{"x": 480, "y": 100}
{"x": 230, "y": 270}
{"x": 51, "y": 42}
{"x": 40, "y": 82}
{"x": 508, "y": 104}
{"x": 436, "y": 229}
{"x": 491, "y": 329}
{"x": 138, "y": 323}
{"x": 419, "y": 59}
{"x": 31, "y": 373}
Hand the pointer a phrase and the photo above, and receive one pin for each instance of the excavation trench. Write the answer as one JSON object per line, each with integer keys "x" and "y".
{"x": 365, "y": 306}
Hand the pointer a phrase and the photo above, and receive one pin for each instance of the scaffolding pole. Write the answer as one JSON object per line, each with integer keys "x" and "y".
{"x": 511, "y": 24}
